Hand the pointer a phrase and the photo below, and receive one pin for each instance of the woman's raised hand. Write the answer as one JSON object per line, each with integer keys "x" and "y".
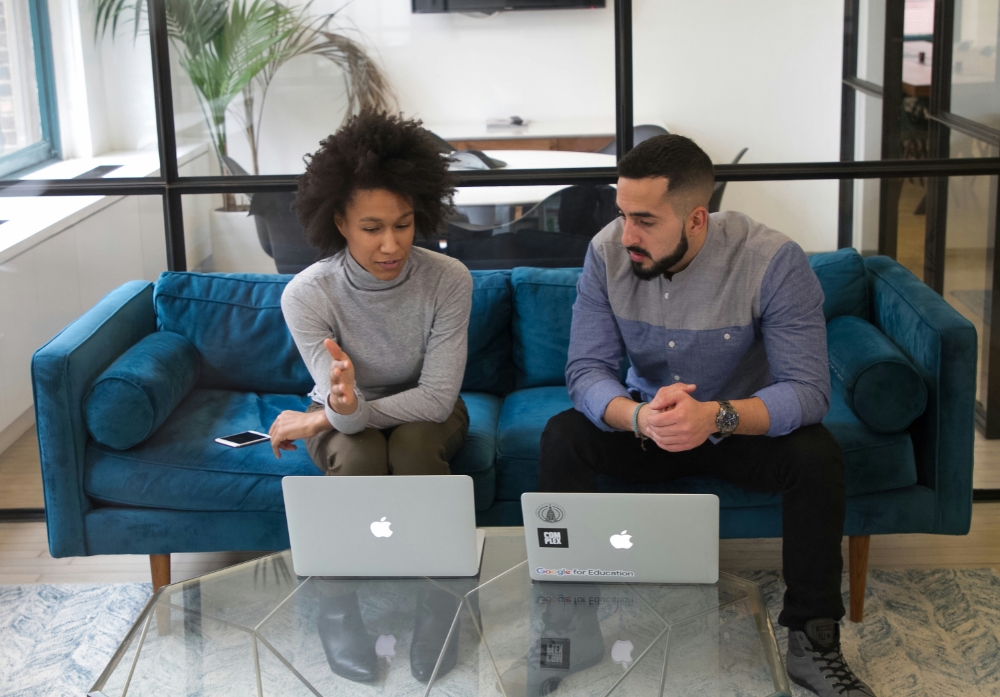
{"x": 342, "y": 397}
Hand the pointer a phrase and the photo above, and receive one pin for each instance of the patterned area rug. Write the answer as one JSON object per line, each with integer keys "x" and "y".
{"x": 925, "y": 633}
{"x": 56, "y": 639}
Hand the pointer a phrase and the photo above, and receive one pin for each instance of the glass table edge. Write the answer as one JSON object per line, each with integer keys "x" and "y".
{"x": 751, "y": 587}
{"x": 125, "y": 643}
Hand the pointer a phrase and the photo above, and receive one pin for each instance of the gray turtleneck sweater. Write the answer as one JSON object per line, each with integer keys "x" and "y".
{"x": 407, "y": 337}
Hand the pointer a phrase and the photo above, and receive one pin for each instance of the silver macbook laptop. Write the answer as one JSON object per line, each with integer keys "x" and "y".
{"x": 651, "y": 538}
{"x": 382, "y": 526}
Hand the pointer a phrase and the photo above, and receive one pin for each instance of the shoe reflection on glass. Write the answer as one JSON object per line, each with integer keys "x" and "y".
{"x": 349, "y": 649}
{"x": 436, "y": 610}
{"x": 565, "y": 638}
{"x": 354, "y": 654}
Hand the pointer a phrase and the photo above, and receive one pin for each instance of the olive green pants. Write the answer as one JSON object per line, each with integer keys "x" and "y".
{"x": 420, "y": 447}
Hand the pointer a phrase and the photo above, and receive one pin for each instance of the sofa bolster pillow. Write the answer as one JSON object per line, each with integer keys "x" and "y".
{"x": 136, "y": 394}
{"x": 881, "y": 386}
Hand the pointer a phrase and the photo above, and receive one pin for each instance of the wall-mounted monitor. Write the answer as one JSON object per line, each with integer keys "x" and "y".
{"x": 501, "y": 5}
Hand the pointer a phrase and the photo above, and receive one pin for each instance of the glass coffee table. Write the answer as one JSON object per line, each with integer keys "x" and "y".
{"x": 258, "y": 629}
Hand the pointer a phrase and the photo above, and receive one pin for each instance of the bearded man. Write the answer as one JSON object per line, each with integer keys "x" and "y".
{"x": 722, "y": 321}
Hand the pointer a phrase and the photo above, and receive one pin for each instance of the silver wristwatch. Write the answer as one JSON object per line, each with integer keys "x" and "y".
{"x": 727, "y": 419}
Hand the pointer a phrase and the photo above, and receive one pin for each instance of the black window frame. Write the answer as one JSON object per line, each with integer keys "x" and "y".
{"x": 890, "y": 169}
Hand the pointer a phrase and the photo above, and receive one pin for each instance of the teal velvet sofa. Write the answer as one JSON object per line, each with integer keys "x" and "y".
{"x": 179, "y": 491}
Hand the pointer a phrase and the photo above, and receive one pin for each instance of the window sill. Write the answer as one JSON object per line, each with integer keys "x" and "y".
{"x": 32, "y": 220}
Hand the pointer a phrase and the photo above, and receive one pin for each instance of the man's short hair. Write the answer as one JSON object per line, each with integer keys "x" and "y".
{"x": 689, "y": 172}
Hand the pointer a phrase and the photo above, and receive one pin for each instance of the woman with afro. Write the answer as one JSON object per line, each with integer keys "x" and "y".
{"x": 381, "y": 324}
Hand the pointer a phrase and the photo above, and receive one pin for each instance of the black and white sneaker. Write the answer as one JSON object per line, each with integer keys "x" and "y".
{"x": 815, "y": 662}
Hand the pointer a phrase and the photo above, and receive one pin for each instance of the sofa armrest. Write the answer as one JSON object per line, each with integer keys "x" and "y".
{"x": 61, "y": 373}
{"x": 942, "y": 345}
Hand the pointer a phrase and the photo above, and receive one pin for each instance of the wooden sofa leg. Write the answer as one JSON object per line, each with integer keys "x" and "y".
{"x": 858, "y": 553}
{"x": 159, "y": 566}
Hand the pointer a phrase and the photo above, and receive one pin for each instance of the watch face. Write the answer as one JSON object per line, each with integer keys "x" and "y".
{"x": 729, "y": 420}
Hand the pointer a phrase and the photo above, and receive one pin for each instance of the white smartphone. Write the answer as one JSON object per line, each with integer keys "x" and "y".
{"x": 241, "y": 440}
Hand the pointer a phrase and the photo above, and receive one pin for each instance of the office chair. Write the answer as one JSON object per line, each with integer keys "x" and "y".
{"x": 715, "y": 203}
{"x": 288, "y": 246}
{"x": 465, "y": 159}
{"x": 279, "y": 231}
{"x": 554, "y": 233}
{"x": 639, "y": 134}
{"x": 440, "y": 143}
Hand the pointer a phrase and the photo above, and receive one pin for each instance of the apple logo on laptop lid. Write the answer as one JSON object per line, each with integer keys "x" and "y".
{"x": 380, "y": 528}
{"x": 621, "y": 540}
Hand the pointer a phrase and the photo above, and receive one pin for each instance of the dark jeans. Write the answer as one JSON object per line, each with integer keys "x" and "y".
{"x": 805, "y": 467}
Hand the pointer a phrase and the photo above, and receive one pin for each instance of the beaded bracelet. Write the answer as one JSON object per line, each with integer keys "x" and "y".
{"x": 635, "y": 424}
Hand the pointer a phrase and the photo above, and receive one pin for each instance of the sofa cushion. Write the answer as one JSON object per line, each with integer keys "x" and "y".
{"x": 522, "y": 420}
{"x": 182, "y": 467}
{"x": 478, "y": 454}
{"x": 880, "y": 385}
{"x": 223, "y": 315}
{"x": 873, "y": 462}
{"x": 136, "y": 394}
{"x": 845, "y": 285}
{"x": 543, "y": 311}
{"x": 489, "y": 368}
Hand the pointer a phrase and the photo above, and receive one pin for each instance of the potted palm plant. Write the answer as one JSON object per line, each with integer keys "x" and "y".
{"x": 232, "y": 49}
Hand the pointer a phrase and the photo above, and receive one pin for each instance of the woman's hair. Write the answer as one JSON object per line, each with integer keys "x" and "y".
{"x": 373, "y": 150}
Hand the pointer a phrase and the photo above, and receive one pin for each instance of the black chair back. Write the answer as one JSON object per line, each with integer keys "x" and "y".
{"x": 715, "y": 203}
{"x": 639, "y": 134}
{"x": 285, "y": 234}
{"x": 554, "y": 233}
{"x": 279, "y": 231}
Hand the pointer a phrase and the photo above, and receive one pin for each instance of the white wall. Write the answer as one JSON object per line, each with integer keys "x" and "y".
{"x": 868, "y": 123}
{"x": 763, "y": 75}
{"x": 728, "y": 73}
{"x": 868, "y": 146}
{"x": 543, "y": 65}
{"x": 127, "y": 107}
{"x": 767, "y": 77}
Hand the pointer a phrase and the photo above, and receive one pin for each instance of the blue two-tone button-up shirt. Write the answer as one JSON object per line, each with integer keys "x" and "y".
{"x": 744, "y": 319}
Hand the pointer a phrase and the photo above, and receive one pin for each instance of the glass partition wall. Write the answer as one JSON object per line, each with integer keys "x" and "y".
{"x": 540, "y": 105}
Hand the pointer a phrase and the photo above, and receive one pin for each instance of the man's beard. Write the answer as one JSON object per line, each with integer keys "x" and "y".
{"x": 661, "y": 267}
